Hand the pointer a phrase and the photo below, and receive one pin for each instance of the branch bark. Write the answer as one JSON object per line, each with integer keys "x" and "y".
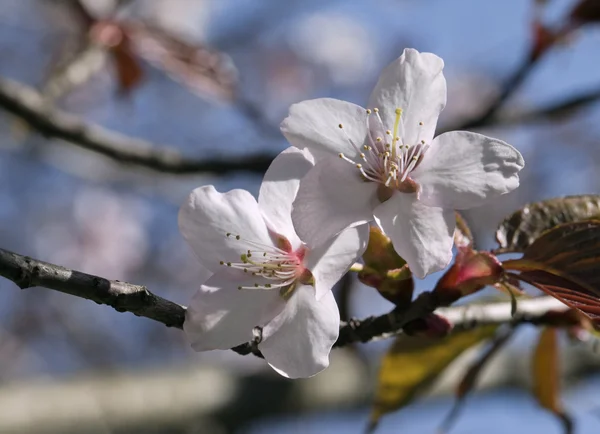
{"x": 27, "y": 104}
{"x": 126, "y": 297}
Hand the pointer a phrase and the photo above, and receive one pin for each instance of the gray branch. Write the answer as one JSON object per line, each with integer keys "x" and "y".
{"x": 27, "y": 272}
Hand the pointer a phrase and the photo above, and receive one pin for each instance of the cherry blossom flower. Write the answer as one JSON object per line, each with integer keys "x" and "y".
{"x": 384, "y": 163}
{"x": 263, "y": 275}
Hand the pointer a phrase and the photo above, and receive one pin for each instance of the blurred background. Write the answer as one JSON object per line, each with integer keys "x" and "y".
{"x": 212, "y": 79}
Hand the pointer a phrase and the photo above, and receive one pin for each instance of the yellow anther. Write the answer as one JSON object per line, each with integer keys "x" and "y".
{"x": 221, "y": 262}
{"x": 422, "y": 142}
{"x": 341, "y": 155}
{"x": 386, "y": 153}
{"x": 368, "y": 111}
{"x": 378, "y": 139}
{"x": 358, "y": 166}
{"x": 376, "y": 110}
{"x": 387, "y": 145}
{"x": 341, "y": 126}
{"x": 415, "y": 158}
{"x": 396, "y": 138}
{"x": 421, "y": 123}
{"x": 399, "y": 111}
{"x": 388, "y": 132}
{"x": 366, "y": 147}
{"x": 362, "y": 155}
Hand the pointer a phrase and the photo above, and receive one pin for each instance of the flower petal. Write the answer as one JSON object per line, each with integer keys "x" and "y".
{"x": 298, "y": 341}
{"x": 461, "y": 170}
{"x": 221, "y": 316}
{"x": 315, "y": 124}
{"x": 331, "y": 197}
{"x": 422, "y": 235}
{"x": 207, "y": 217}
{"x": 279, "y": 187}
{"x": 414, "y": 83}
{"x": 332, "y": 260}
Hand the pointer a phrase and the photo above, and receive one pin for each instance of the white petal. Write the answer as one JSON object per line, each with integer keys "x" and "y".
{"x": 332, "y": 197}
{"x": 461, "y": 170}
{"x": 331, "y": 261}
{"x": 206, "y": 218}
{"x": 414, "y": 83}
{"x": 422, "y": 235}
{"x": 279, "y": 187}
{"x": 298, "y": 341}
{"x": 221, "y": 316}
{"x": 315, "y": 124}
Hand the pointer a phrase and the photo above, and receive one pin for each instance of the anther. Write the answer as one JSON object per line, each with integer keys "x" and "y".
{"x": 422, "y": 142}
{"x": 221, "y": 262}
{"x": 378, "y": 139}
{"x": 421, "y": 123}
{"x": 228, "y": 234}
{"x": 376, "y": 110}
{"x": 398, "y": 111}
{"x": 340, "y": 126}
{"x": 366, "y": 147}
{"x": 368, "y": 111}
{"x": 388, "y": 132}
{"x": 229, "y": 264}
{"x": 358, "y": 166}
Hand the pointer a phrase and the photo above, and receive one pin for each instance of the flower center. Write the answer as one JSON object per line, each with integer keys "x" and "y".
{"x": 279, "y": 265}
{"x": 384, "y": 157}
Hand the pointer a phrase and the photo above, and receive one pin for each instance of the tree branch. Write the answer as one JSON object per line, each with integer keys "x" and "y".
{"x": 27, "y": 104}
{"x": 126, "y": 297}
{"x": 123, "y": 297}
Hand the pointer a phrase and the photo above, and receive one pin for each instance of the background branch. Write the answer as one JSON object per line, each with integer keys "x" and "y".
{"x": 27, "y": 104}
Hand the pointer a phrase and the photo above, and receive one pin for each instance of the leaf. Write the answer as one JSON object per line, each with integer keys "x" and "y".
{"x": 546, "y": 376}
{"x": 470, "y": 378}
{"x": 129, "y": 71}
{"x": 463, "y": 238}
{"x": 520, "y": 229}
{"x": 411, "y": 365}
{"x": 385, "y": 270}
{"x": 564, "y": 262}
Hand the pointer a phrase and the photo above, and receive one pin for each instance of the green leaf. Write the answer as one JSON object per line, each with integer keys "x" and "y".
{"x": 385, "y": 270}
{"x": 520, "y": 229}
{"x": 411, "y": 365}
{"x": 546, "y": 376}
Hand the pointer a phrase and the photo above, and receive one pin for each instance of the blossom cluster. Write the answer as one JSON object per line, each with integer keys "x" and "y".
{"x": 273, "y": 261}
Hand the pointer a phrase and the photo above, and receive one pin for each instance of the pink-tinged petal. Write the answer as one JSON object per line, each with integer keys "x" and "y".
{"x": 331, "y": 261}
{"x": 415, "y": 84}
{"x": 422, "y": 235}
{"x": 315, "y": 124}
{"x": 279, "y": 187}
{"x": 206, "y": 218}
{"x": 461, "y": 170}
{"x": 331, "y": 198}
{"x": 221, "y": 316}
{"x": 298, "y": 341}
